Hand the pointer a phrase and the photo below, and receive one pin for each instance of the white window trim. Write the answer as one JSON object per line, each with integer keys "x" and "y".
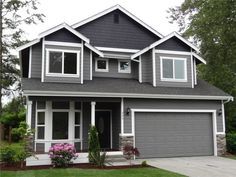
{"x": 62, "y": 74}
{"x": 36, "y": 123}
{"x": 101, "y": 70}
{"x": 124, "y": 71}
{"x": 173, "y": 79}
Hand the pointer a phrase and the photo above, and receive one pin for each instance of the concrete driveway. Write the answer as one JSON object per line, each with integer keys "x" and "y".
{"x": 197, "y": 166}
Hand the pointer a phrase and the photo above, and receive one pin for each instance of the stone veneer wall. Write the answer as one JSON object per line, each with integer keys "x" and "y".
{"x": 221, "y": 144}
{"x": 124, "y": 140}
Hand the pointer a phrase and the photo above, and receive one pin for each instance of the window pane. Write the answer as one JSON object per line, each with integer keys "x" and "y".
{"x": 41, "y": 118}
{"x": 55, "y": 62}
{"x": 60, "y": 105}
{"x": 179, "y": 69}
{"x": 78, "y": 105}
{"x": 77, "y": 146}
{"x": 40, "y": 133}
{"x": 70, "y": 63}
{"x": 167, "y": 68}
{"x": 77, "y": 118}
{"x": 124, "y": 66}
{"x": 41, "y": 104}
{"x": 101, "y": 64}
{"x": 60, "y": 125}
{"x": 77, "y": 132}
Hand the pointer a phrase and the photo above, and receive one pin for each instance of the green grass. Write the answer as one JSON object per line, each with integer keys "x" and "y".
{"x": 70, "y": 172}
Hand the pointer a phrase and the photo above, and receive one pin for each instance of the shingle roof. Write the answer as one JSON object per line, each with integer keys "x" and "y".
{"x": 119, "y": 86}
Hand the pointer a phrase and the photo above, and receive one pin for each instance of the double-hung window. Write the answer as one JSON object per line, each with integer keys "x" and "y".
{"x": 173, "y": 69}
{"x": 62, "y": 62}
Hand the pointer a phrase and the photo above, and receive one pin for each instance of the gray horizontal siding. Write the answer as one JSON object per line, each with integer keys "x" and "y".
{"x": 147, "y": 67}
{"x": 173, "y": 84}
{"x": 113, "y": 70}
{"x": 174, "y": 44}
{"x": 103, "y": 32}
{"x": 36, "y": 62}
{"x": 170, "y": 104}
{"x": 86, "y": 64}
{"x": 61, "y": 79}
{"x": 63, "y": 35}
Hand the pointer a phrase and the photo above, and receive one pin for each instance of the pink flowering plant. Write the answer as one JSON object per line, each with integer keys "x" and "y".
{"x": 62, "y": 154}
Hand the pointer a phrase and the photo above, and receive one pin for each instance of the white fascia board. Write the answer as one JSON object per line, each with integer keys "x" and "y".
{"x": 76, "y": 25}
{"x": 66, "y": 26}
{"x": 94, "y": 49}
{"x": 163, "y": 40}
{"x": 35, "y": 41}
{"x": 199, "y": 57}
{"x": 124, "y": 95}
{"x": 109, "y": 49}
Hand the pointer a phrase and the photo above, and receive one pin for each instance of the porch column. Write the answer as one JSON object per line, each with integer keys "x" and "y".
{"x": 93, "y": 103}
{"x": 29, "y": 113}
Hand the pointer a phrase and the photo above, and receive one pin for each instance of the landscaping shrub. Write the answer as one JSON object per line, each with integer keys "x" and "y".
{"x": 144, "y": 163}
{"x": 99, "y": 159}
{"x": 62, "y": 154}
{"x": 94, "y": 145}
{"x": 8, "y": 154}
{"x": 129, "y": 152}
{"x": 231, "y": 142}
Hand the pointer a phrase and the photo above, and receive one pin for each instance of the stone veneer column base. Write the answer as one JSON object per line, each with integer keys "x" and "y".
{"x": 124, "y": 140}
{"x": 221, "y": 144}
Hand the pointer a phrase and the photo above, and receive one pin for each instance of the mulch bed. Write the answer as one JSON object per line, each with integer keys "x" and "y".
{"x": 16, "y": 167}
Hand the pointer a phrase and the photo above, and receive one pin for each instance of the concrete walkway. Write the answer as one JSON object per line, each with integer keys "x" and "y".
{"x": 197, "y": 166}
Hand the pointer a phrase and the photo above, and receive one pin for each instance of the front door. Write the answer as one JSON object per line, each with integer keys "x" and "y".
{"x": 103, "y": 125}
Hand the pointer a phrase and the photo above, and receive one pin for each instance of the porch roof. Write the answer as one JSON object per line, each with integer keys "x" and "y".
{"x": 111, "y": 87}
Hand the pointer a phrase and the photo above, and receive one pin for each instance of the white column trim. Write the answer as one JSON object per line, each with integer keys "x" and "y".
{"x": 195, "y": 71}
{"x": 48, "y": 125}
{"x": 43, "y": 61}
{"x": 71, "y": 123}
{"x": 122, "y": 116}
{"x": 192, "y": 72}
{"x": 30, "y": 62}
{"x": 91, "y": 65}
{"x": 82, "y": 63}
{"x": 140, "y": 69}
{"x": 223, "y": 115}
{"x": 93, "y": 103}
{"x": 153, "y": 68}
{"x": 81, "y": 126}
{"x": 29, "y": 113}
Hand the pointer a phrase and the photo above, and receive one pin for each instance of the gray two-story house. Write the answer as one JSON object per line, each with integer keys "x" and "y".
{"x": 135, "y": 85}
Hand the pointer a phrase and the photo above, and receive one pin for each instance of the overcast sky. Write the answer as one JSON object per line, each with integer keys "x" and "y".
{"x": 152, "y": 12}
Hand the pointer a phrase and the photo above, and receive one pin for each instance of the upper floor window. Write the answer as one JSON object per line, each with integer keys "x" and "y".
{"x": 62, "y": 62}
{"x": 124, "y": 66}
{"x": 173, "y": 69}
{"x": 101, "y": 65}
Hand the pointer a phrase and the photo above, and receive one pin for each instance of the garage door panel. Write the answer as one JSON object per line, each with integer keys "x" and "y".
{"x": 173, "y": 134}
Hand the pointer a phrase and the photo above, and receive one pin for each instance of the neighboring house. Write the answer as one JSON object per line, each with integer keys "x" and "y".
{"x": 135, "y": 85}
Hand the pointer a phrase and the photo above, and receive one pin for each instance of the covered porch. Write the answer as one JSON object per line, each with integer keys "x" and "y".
{"x": 67, "y": 120}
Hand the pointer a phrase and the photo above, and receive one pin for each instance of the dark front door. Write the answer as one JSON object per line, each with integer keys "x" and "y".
{"x": 103, "y": 125}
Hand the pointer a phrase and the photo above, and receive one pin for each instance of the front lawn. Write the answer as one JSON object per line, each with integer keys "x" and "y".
{"x": 70, "y": 172}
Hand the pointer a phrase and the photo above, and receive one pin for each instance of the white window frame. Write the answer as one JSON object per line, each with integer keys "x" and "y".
{"x": 173, "y": 59}
{"x": 78, "y": 125}
{"x": 36, "y": 123}
{"x": 62, "y": 74}
{"x": 101, "y": 70}
{"x": 124, "y": 71}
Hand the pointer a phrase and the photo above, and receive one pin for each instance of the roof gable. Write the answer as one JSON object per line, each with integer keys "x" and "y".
{"x": 104, "y": 32}
{"x": 117, "y": 7}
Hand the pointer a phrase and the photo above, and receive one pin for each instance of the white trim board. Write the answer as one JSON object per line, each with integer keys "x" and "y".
{"x": 214, "y": 125}
{"x": 101, "y": 54}
{"x": 35, "y": 41}
{"x": 100, "y": 14}
{"x": 109, "y": 49}
{"x": 63, "y": 44}
{"x": 127, "y": 95}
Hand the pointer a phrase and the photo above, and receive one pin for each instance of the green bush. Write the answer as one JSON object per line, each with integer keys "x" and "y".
{"x": 94, "y": 145}
{"x": 8, "y": 154}
{"x": 144, "y": 163}
{"x": 231, "y": 142}
{"x": 99, "y": 159}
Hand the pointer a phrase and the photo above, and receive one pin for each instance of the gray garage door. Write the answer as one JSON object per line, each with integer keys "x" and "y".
{"x": 173, "y": 134}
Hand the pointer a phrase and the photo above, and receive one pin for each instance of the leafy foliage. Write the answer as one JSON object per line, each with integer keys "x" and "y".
{"x": 231, "y": 142}
{"x": 62, "y": 154}
{"x": 212, "y": 26}
{"x": 14, "y": 14}
{"x": 98, "y": 159}
{"x": 8, "y": 154}
{"x": 129, "y": 152}
{"x": 94, "y": 145}
{"x": 21, "y": 132}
